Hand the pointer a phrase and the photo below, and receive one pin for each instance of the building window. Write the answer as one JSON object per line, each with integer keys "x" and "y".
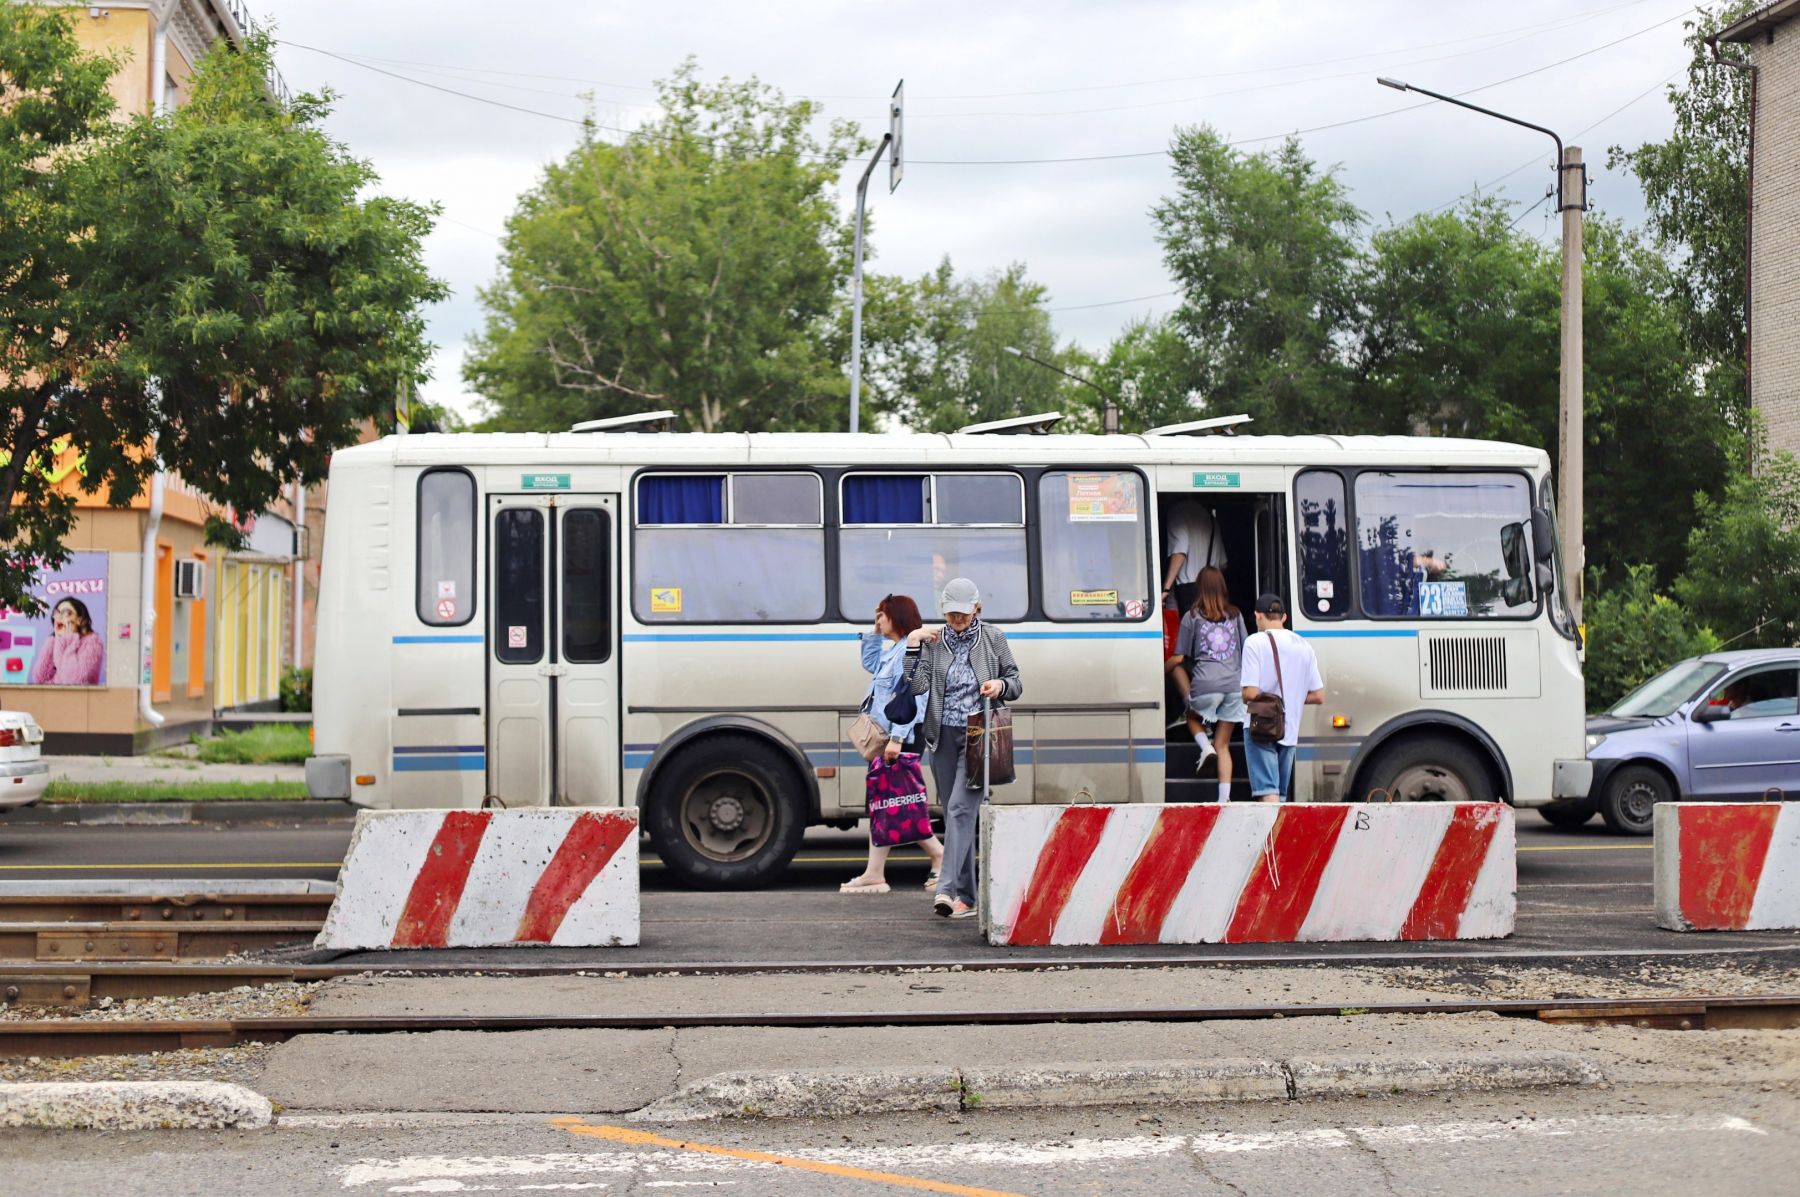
{"x": 446, "y": 556}
{"x": 729, "y": 548}
{"x": 911, "y": 533}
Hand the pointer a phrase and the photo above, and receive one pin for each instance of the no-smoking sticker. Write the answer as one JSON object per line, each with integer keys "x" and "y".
{"x": 447, "y": 608}
{"x": 515, "y": 636}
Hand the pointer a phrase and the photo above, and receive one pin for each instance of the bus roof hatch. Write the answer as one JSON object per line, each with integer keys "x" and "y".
{"x": 643, "y": 421}
{"x": 1037, "y": 425}
{"x": 1226, "y": 424}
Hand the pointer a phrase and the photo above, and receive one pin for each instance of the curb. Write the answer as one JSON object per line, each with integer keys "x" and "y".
{"x": 825, "y": 1093}
{"x": 156, "y": 814}
{"x": 133, "y": 1105}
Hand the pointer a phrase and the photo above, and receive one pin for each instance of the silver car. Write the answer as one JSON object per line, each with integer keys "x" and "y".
{"x": 1721, "y": 726}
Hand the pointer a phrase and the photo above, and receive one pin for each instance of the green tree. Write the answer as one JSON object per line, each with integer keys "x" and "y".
{"x": 1695, "y": 188}
{"x": 1264, "y": 248}
{"x": 1634, "y": 633}
{"x": 935, "y": 350}
{"x": 696, "y": 266}
{"x": 202, "y": 292}
{"x": 1743, "y": 571}
{"x": 1149, "y": 368}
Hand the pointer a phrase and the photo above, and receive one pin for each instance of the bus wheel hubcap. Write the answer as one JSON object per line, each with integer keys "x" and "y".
{"x": 727, "y": 817}
{"x": 727, "y": 813}
{"x": 1430, "y": 783}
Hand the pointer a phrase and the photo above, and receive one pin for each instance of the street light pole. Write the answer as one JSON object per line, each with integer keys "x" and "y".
{"x": 1109, "y": 411}
{"x": 856, "y": 287}
{"x": 1571, "y": 202}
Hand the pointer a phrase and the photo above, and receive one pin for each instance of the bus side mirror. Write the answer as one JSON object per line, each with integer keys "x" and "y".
{"x": 1516, "y": 592}
{"x": 1514, "y": 554}
{"x": 1543, "y": 535}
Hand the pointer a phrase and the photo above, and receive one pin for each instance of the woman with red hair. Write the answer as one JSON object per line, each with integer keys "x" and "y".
{"x": 884, "y": 656}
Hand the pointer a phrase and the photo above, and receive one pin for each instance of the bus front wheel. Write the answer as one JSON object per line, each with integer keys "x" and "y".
{"x": 726, "y": 813}
{"x": 1427, "y": 769}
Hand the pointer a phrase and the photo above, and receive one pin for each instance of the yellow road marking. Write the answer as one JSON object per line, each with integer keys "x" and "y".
{"x": 636, "y": 1138}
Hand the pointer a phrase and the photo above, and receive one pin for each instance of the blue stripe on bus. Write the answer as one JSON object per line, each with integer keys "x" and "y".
{"x": 824, "y": 637}
{"x": 847, "y": 758}
{"x": 439, "y": 639}
{"x": 440, "y": 764}
{"x": 399, "y": 748}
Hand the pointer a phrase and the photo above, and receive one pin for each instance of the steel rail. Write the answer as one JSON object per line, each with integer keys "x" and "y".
{"x": 77, "y": 1037}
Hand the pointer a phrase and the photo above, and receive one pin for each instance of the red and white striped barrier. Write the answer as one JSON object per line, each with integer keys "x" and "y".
{"x": 1727, "y": 866}
{"x": 1247, "y": 873}
{"x": 480, "y": 879}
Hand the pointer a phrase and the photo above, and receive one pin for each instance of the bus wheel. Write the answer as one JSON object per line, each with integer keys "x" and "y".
{"x": 1629, "y": 803}
{"x": 726, "y": 813}
{"x": 1428, "y": 769}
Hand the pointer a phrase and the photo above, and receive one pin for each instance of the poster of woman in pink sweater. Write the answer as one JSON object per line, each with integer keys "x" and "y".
{"x": 74, "y": 652}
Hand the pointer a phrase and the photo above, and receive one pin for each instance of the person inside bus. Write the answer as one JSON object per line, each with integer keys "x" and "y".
{"x": 1277, "y": 661}
{"x": 1191, "y": 537}
{"x": 957, "y": 667}
{"x": 1211, "y": 649}
{"x": 884, "y": 653}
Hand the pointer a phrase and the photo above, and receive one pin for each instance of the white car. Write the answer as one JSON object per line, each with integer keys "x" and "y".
{"x": 23, "y": 774}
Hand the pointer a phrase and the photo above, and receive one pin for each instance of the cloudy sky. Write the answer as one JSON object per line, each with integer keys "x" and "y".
{"x": 992, "y": 90}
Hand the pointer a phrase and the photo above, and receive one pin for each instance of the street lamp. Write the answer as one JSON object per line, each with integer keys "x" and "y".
{"x": 1109, "y": 411}
{"x": 1571, "y": 201}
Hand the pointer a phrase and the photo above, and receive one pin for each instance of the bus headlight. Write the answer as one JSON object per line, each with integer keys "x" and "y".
{"x": 1594, "y": 741}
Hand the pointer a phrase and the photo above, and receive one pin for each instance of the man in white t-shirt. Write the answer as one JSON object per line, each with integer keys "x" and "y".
{"x": 1272, "y": 765}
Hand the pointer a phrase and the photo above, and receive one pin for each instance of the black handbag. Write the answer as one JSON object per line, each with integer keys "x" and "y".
{"x": 903, "y": 707}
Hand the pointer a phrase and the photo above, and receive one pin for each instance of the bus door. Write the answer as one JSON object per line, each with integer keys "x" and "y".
{"x": 553, "y": 687}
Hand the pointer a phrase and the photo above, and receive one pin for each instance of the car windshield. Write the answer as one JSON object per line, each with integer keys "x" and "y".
{"x": 1664, "y": 693}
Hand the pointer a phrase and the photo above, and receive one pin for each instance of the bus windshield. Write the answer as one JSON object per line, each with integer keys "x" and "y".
{"x": 1663, "y": 694}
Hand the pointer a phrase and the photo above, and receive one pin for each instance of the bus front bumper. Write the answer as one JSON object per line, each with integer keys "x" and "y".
{"x": 1572, "y": 779}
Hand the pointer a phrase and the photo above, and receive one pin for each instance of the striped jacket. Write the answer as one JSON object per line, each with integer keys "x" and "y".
{"x": 929, "y": 665}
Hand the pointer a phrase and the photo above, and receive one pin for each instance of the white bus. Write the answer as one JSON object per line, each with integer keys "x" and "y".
{"x": 668, "y": 620}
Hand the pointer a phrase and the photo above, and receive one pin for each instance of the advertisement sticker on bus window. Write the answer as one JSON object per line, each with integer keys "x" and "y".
{"x": 515, "y": 635}
{"x": 1447, "y": 599}
{"x": 447, "y": 589}
{"x": 665, "y": 600}
{"x": 1102, "y": 498}
{"x": 1134, "y": 608}
{"x": 1093, "y": 598}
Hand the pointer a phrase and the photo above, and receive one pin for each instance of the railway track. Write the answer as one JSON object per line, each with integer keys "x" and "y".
{"x": 76, "y": 1037}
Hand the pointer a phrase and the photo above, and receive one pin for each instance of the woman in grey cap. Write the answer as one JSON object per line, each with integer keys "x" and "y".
{"x": 957, "y": 667}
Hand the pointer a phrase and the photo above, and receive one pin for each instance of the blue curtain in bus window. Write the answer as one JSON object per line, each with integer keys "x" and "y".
{"x": 683, "y": 499}
{"x": 884, "y": 499}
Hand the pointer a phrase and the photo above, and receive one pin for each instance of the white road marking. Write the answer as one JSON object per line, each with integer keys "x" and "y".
{"x": 448, "y": 1174}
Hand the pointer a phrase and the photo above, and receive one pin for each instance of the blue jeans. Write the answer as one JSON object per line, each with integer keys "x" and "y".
{"x": 1271, "y": 769}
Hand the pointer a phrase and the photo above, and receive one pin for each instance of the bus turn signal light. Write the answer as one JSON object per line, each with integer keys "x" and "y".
{"x": 365, "y": 779}
{"x": 1340, "y": 722}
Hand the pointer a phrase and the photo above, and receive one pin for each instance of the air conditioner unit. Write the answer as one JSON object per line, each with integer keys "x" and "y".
{"x": 190, "y": 579}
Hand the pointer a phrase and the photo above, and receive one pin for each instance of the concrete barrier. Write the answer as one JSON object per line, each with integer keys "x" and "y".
{"x": 478, "y": 879}
{"x": 1727, "y": 866}
{"x": 1247, "y": 873}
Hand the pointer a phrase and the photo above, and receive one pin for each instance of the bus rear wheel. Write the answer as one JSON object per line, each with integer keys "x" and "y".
{"x": 1427, "y": 769}
{"x": 726, "y": 813}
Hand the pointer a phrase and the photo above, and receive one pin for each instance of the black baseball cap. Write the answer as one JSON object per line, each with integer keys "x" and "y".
{"x": 1271, "y": 604}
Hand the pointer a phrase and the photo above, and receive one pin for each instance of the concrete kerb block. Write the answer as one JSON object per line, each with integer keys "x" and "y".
{"x": 1153, "y": 1083}
{"x": 133, "y": 1105}
{"x": 1247, "y": 873}
{"x": 809, "y": 1093}
{"x": 1342, "y": 1077}
{"x": 1727, "y": 866}
{"x": 562, "y": 876}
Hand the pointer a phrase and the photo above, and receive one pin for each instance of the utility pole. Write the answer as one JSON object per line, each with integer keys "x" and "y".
{"x": 1572, "y": 193}
{"x": 896, "y": 166}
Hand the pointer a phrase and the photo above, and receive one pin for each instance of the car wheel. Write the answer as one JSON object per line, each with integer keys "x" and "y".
{"x": 1426, "y": 769}
{"x": 1568, "y": 814}
{"x": 1629, "y": 803}
{"x": 727, "y": 813}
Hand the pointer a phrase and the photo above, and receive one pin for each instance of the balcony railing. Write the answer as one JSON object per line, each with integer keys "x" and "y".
{"x": 246, "y": 27}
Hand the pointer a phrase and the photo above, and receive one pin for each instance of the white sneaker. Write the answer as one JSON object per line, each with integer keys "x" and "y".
{"x": 1207, "y": 753}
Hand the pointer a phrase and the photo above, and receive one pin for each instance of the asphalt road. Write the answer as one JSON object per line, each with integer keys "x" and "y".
{"x": 1581, "y": 892}
{"x": 1681, "y": 1141}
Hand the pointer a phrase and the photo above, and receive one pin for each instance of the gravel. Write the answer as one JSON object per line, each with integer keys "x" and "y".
{"x": 286, "y": 999}
{"x": 241, "y": 1065}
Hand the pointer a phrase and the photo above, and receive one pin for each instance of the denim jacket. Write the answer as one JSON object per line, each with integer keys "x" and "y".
{"x": 886, "y": 659}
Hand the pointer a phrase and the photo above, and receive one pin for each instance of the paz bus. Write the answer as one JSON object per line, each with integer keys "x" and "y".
{"x": 620, "y": 615}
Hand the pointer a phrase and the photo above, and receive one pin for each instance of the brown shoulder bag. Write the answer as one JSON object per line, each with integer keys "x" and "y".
{"x": 1268, "y": 713}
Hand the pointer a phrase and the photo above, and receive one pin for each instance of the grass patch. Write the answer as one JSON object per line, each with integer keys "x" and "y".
{"x": 175, "y": 791}
{"x": 267, "y": 744}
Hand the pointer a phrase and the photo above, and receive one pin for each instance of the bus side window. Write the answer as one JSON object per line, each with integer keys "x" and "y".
{"x": 1096, "y": 560}
{"x": 1324, "y": 544}
{"x": 729, "y": 548}
{"x": 445, "y": 586}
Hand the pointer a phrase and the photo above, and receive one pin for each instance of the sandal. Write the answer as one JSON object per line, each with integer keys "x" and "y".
{"x": 931, "y": 879}
{"x": 959, "y": 911}
{"x": 856, "y": 885}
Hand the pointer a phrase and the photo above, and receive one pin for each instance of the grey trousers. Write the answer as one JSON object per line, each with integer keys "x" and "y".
{"x": 962, "y": 814}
